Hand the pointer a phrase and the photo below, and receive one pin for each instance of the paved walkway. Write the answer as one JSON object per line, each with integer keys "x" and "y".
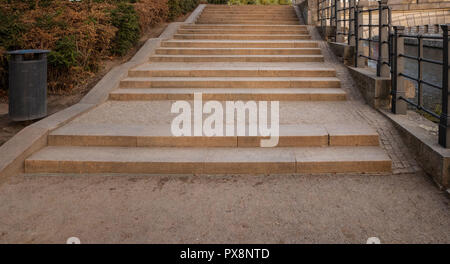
{"x": 402, "y": 208}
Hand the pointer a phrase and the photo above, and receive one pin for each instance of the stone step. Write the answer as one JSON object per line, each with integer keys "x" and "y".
{"x": 120, "y": 135}
{"x": 255, "y": 9}
{"x": 241, "y": 37}
{"x": 279, "y": 14}
{"x": 235, "y": 94}
{"x": 244, "y": 31}
{"x": 230, "y": 82}
{"x": 238, "y": 44}
{"x": 249, "y": 7}
{"x": 56, "y": 159}
{"x": 249, "y": 11}
{"x": 242, "y": 27}
{"x": 248, "y": 22}
{"x": 148, "y": 70}
{"x": 274, "y": 18}
{"x": 245, "y": 14}
{"x": 238, "y": 51}
{"x": 237, "y": 58}
{"x": 275, "y": 15}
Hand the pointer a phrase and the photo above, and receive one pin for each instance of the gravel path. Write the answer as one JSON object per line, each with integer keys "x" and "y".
{"x": 404, "y": 208}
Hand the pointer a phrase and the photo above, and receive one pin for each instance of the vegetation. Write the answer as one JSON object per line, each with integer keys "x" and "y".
{"x": 82, "y": 33}
{"x": 126, "y": 20}
{"x": 219, "y": 2}
{"x": 259, "y": 2}
{"x": 79, "y": 33}
{"x": 181, "y": 7}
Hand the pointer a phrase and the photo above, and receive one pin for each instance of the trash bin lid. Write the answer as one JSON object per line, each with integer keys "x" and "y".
{"x": 27, "y": 51}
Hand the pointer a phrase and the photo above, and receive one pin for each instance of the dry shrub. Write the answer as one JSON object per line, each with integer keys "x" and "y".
{"x": 86, "y": 26}
{"x": 151, "y": 12}
{"x": 79, "y": 34}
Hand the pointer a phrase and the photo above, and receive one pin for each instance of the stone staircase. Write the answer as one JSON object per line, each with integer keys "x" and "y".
{"x": 232, "y": 53}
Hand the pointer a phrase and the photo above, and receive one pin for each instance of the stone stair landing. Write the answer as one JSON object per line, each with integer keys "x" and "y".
{"x": 230, "y": 53}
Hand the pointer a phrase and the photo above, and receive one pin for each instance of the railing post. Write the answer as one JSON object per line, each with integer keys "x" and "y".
{"x": 334, "y": 13}
{"x": 359, "y": 32}
{"x": 351, "y": 23}
{"x": 383, "y": 35}
{"x": 328, "y": 13}
{"x": 398, "y": 89}
{"x": 444, "y": 124}
{"x": 312, "y": 12}
{"x": 419, "y": 71}
{"x": 322, "y": 12}
{"x": 339, "y": 37}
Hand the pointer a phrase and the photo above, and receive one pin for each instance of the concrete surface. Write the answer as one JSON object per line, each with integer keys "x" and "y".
{"x": 422, "y": 136}
{"x": 403, "y": 208}
{"x": 3, "y": 109}
{"x": 376, "y": 90}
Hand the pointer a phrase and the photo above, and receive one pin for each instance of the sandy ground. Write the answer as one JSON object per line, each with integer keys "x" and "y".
{"x": 405, "y": 208}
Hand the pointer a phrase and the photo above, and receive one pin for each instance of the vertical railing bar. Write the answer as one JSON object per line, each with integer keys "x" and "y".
{"x": 356, "y": 34}
{"x": 394, "y": 73}
{"x": 380, "y": 44}
{"x": 336, "y": 20}
{"x": 370, "y": 33}
{"x": 444, "y": 119}
{"x": 419, "y": 71}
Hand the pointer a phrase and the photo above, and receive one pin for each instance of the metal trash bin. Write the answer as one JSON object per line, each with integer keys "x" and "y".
{"x": 27, "y": 84}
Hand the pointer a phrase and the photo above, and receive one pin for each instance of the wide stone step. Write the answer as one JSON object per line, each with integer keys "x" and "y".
{"x": 243, "y": 31}
{"x": 120, "y": 135}
{"x": 238, "y": 44}
{"x": 230, "y": 82}
{"x": 242, "y": 71}
{"x": 224, "y": 94}
{"x": 249, "y": 22}
{"x": 55, "y": 159}
{"x": 242, "y": 27}
{"x": 278, "y": 15}
{"x": 254, "y": 9}
{"x": 274, "y": 18}
{"x": 241, "y": 37}
{"x": 237, "y": 58}
{"x": 238, "y": 51}
{"x": 251, "y": 8}
{"x": 246, "y": 15}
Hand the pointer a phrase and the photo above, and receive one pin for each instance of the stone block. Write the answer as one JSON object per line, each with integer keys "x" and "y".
{"x": 375, "y": 90}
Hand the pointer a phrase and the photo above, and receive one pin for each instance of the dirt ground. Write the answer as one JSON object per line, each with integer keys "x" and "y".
{"x": 405, "y": 208}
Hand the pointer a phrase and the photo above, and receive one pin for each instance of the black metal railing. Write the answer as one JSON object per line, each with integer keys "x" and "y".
{"x": 398, "y": 93}
{"x": 324, "y": 12}
{"x": 374, "y": 51}
{"x": 372, "y": 27}
{"x": 345, "y": 19}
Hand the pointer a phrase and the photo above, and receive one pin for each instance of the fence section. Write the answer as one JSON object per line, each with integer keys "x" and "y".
{"x": 399, "y": 100}
{"x": 369, "y": 29}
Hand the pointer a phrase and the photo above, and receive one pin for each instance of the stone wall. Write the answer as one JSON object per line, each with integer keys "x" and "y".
{"x": 375, "y": 90}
